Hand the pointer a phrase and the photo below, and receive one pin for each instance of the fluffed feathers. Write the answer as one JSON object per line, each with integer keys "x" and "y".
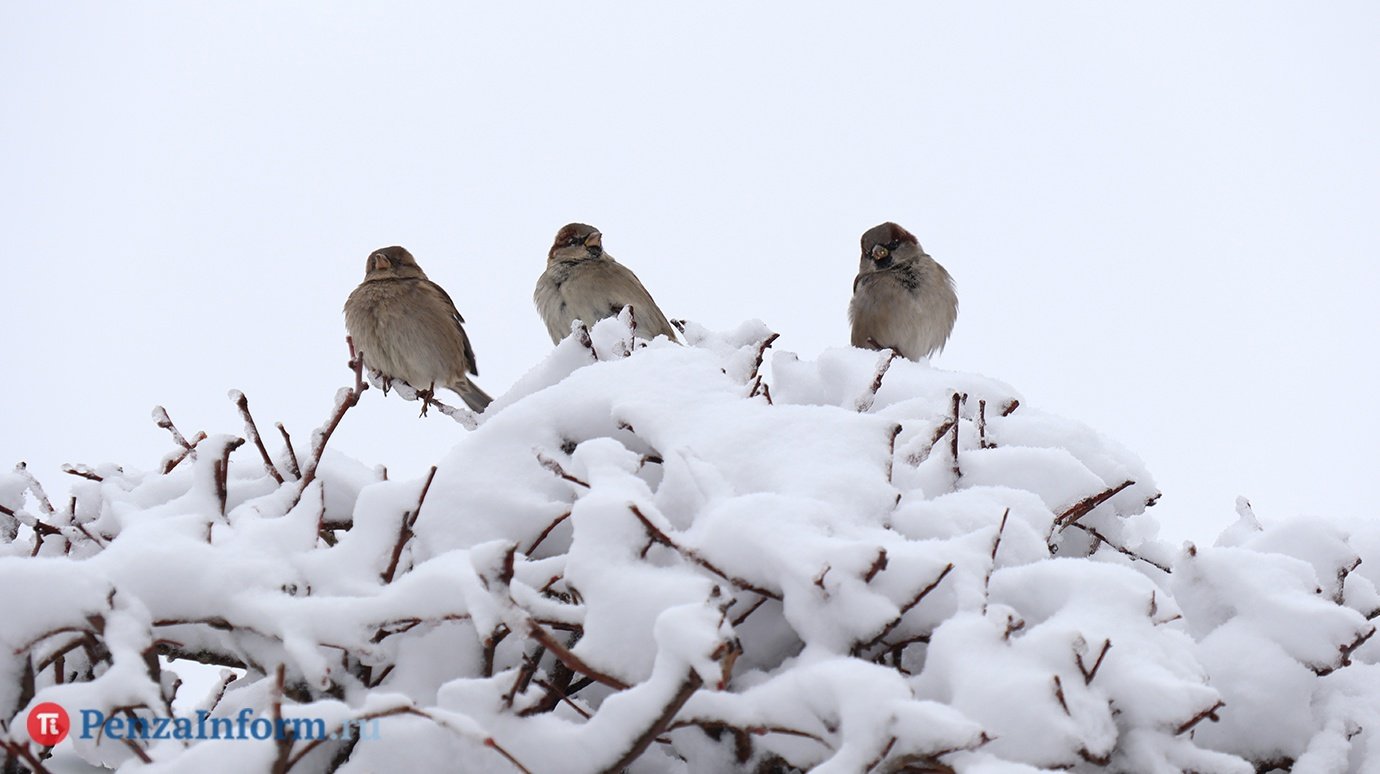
{"x": 407, "y": 327}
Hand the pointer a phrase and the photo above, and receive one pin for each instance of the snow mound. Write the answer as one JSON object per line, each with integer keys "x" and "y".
{"x": 662, "y": 558}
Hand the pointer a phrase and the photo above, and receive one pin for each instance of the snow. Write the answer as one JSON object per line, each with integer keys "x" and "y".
{"x": 694, "y": 557}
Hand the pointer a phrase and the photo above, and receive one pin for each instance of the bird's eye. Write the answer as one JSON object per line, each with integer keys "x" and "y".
{"x": 893, "y": 244}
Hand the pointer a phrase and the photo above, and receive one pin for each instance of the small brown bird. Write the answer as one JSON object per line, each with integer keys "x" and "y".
{"x": 902, "y": 299}
{"x": 582, "y": 282}
{"x": 407, "y": 327}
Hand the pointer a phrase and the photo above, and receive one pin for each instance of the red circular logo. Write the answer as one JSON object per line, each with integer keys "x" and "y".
{"x": 49, "y": 724}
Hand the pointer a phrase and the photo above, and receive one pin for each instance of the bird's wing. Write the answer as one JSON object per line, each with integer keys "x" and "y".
{"x": 459, "y": 325}
{"x": 645, "y": 310}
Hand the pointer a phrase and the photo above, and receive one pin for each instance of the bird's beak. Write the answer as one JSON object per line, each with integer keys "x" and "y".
{"x": 381, "y": 262}
{"x": 879, "y": 252}
{"x": 595, "y": 241}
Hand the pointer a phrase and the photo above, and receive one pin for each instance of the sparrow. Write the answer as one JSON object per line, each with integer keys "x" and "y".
{"x": 407, "y": 327}
{"x": 902, "y": 299}
{"x": 582, "y": 282}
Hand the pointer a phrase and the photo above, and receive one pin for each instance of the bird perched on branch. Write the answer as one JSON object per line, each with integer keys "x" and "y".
{"x": 407, "y": 328}
{"x": 902, "y": 299}
{"x": 582, "y": 282}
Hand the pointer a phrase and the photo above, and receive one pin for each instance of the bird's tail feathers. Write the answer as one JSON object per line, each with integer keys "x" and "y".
{"x": 475, "y": 398}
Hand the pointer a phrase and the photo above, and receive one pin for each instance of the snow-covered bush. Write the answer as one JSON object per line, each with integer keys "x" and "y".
{"x": 659, "y": 558}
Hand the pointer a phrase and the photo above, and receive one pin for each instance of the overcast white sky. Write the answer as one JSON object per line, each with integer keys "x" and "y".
{"x": 1162, "y": 219}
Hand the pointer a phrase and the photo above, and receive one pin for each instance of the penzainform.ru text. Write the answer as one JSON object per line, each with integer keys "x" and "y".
{"x": 95, "y": 724}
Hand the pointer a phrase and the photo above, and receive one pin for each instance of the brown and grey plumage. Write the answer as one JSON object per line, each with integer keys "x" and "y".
{"x": 582, "y": 282}
{"x": 408, "y": 328}
{"x": 902, "y": 299}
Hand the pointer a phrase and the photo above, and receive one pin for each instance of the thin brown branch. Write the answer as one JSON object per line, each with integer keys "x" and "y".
{"x": 393, "y": 712}
{"x": 891, "y": 451}
{"x": 877, "y": 566}
{"x": 222, "y": 470}
{"x": 581, "y": 332}
{"x": 252, "y": 430}
{"x": 82, "y": 471}
{"x": 1346, "y": 651}
{"x": 161, "y": 418}
{"x": 644, "y": 740}
{"x": 22, "y": 751}
{"x": 981, "y": 424}
{"x": 1101, "y": 538}
{"x": 409, "y": 520}
{"x": 1085, "y": 506}
{"x": 561, "y": 697}
{"x": 530, "y": 663}
{"x": 345, "y": 400}
{"x": 906, "y": 608}
{"x": 867, "y": 399}
{"x": 285, "y": 737}
{"x": 546, "y": 532}
{"x": 1059, "y": 694}
{"x": 1208, "y": 714}
{"x": 190, "y": 451}
{"x": 881, "y": 756}
{"x": 1010, "y": 407}
{"x": 738, "y": 620}
{"x": 991, "y": 568}
{"x": 293, "y": 467}
{"x": 657, "y": 536}
{"x": 1089, "y": 674}
{"x": 761, "y": 355}
{"x": 567, "y": 657}
{"x": 953, "y": 444}
{"x": 555, "y": 467}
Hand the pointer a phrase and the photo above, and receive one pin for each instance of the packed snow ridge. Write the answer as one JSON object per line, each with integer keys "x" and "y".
{"x": 667, "y": 558}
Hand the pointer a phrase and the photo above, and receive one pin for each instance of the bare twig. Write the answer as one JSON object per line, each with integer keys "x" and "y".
{"x": 555, "y": 467}
{"x": 877, "y": 566}
{"x": 293, "y": 468}
{"x": 1346, "y": 651}
{"x": 409, "y": 519}
{"x": 190, "y": 451}
{"x": 1010, "y": 407}
{"x": 581, "y": 332}
{"x": 1209, "y": 713}
{"x": 906, "y": 608}
{"x": 891, "y": 451}
{"x": 252, "y": 430}
{"x": 738, "y": 620}
{"x": 865, "y": 401}
{"x": 953, "y": 445}
{"x": 222, "y": 470}
{"x": 569, "y": 658}
{"x": 982, "y": 425}
{"x": 1085, "y": 506}
{"x": 22, "y": 751}
{"x": 1089, "y": 674}
{"x": 1101, "y": 538}
{"x": 991, "y": 568}
{"x": 546, "y": 532}
{"x": 161, "y": 418}
{"x": 393, "y": 712}
{"x": 346, "y": 399}
{"x": 82, "y": 471}
{"x": 560, "y": 697}
{"x": 1059, "y": 694}
{"x": 761, "y": 355}
{"x": 285, "y": 736}
{"x": 644, "y": 740}
{"x": 657, "y": 536}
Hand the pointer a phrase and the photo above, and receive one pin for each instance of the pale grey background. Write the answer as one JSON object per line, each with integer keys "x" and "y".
{"x": 1161, "y": 218}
